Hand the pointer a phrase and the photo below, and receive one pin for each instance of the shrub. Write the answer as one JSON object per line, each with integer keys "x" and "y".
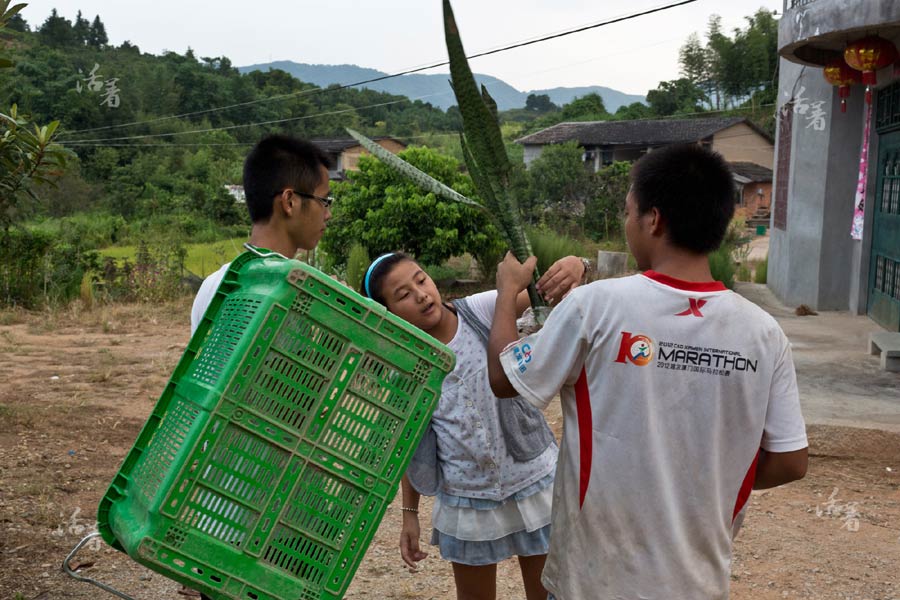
{"x": 452, "y": 270}
{"x": 762, "y": 271}
{"x": 550, "y": 246}
{"x": 357, "y": 263}
{"x": 90, "y": 230}
{"x": 384, "y": 211}
{"x": 155, "y": 276}
{"x": 604, "y": 211}
{"x": 39, "y": 269}
{"x": 722, "y": 265}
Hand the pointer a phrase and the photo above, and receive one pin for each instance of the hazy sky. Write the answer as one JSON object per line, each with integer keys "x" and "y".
{"x": 394, "y": 35}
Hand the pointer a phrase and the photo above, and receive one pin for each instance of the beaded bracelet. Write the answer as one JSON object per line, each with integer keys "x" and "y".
{"x": 409, "y": 509}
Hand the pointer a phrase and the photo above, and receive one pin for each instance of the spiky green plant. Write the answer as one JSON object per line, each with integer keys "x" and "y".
{"x": 420, "y": 178}
{"x": 483, "y": 148}
{"x": 483, "y": 151}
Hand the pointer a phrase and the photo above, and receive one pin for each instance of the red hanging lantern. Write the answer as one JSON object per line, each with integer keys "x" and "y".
{"x": 839, "y": 73}
{"x": 868, "y": 55}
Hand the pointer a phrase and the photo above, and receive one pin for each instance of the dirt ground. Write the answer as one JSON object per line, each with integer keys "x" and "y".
{"x": 77, "y": 385}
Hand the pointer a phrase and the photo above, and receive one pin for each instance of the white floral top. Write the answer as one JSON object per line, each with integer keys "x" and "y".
{"x": 471, "y": 450}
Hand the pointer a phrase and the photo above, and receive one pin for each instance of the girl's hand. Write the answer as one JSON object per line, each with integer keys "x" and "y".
{"x": 409, "y": 541}
{"x": 513, "y": 276}
{"x": 562, "y": 277}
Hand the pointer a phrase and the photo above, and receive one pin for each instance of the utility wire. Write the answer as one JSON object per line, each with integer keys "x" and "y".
{"x": 401, "y": 137}
{"x": 93, "y": 142}
{"x": 406, "y": 72}
{"x": 242, "y": 125}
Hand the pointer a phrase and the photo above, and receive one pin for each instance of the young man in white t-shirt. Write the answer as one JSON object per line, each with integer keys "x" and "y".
{"x": 286, "y": 185}
{"x": 678, "y": 397}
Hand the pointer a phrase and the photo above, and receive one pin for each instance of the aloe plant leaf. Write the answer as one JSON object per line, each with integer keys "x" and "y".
{"x": 419, "y": 177}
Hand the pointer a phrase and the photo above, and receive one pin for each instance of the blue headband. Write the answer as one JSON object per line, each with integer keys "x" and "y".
{"x": 372, "y": 268}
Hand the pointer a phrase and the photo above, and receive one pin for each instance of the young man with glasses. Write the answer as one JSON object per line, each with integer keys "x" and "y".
{"x": 286, "y": 185}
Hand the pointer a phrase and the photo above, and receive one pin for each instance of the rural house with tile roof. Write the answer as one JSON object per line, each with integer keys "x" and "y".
{"x": 604, "y": 142}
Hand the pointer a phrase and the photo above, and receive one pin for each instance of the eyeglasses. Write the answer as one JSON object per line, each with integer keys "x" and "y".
{"x": 325, "y": 200}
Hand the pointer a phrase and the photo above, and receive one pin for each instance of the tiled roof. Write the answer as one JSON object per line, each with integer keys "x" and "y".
{"x": 337, "y": 145}
{"x": 649, "y": 132}
{"x": 752, "y": 171}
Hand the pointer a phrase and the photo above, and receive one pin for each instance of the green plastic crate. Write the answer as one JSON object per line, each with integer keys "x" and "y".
{"x": 278, "y": 443}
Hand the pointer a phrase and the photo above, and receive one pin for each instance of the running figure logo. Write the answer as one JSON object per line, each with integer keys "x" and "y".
{"x": 636, "y": 349}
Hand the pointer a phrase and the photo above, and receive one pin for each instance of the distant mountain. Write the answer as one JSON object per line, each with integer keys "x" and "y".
{"x": 435, "y": 89}
{"x": 612, "y": 99}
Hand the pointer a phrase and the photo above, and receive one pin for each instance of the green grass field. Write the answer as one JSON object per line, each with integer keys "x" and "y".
{"x": 202, "y": 259}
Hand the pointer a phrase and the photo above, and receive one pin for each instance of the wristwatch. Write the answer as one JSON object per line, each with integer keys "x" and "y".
{"x": 588, "y": 270}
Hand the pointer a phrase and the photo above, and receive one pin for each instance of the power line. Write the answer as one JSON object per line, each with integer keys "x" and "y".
{"x": 402, "y": 137}
{"x": 406, "y": 72}
{"x": 229, "y": 127}
{"x": 310, "y": 92}
{"x": 102, "y": 142}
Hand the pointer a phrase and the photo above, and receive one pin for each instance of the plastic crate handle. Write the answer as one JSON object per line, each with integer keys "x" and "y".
{"x": 250, "y": 247}
{"x": 71, "y": 572}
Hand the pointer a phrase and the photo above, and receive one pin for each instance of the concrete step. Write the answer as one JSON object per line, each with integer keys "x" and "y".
{"x": 887, "y": 344}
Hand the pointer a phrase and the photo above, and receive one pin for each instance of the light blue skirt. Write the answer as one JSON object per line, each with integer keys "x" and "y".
{"x": 489, "y": 552}
{"x": 520, "y": 543}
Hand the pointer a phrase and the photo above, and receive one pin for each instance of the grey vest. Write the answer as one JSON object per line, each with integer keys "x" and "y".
{"x": 524, "y": 428}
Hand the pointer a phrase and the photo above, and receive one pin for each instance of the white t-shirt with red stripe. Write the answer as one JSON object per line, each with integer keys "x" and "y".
{"x": 669, "y": 389}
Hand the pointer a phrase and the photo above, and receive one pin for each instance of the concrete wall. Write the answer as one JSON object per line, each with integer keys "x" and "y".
{"x": 818, "y": 21}
{"x": 741, "y": 143}
{"x": 841, "y": 177}
{"x": 833, "y": 272}
{"x": 532, "y": 151}
{"x": 813, "y": 260}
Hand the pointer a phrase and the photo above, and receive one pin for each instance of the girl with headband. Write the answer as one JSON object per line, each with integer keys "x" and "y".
{"x": 488, "y": 462}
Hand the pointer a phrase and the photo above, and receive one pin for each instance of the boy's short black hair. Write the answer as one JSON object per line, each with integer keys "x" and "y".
{"x": 277, "y": 162}
{"x": 693, "y": 189}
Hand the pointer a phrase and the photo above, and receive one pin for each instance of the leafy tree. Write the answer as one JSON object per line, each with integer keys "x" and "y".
{"x": 752, "y": 59}
{"x": 384, "y": 211}
{"x": 17, "y": 23}
{"x": 29, "y": 155}
{"x": 57, "y": 31}
{"x": 153, "y": 183}
{"x": 97, "y": 34}
{"x": 70, "y": 195}
{"x": 539, "y": 103}
{"x": 718, "y": 50}
{"x": 635, "y": 110}
{"x": 589, "y": 107}
{"x": 81, "y": 29}
{"x": 562, "y": 194}
{"x": 678, "y": 96}
{"x": 729, "y": 70}
{"x": 127, "y": 46}
{"x": 606, "y": 206}
{"x": 694, "y": 59}
{"x": 559, "y": 185}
